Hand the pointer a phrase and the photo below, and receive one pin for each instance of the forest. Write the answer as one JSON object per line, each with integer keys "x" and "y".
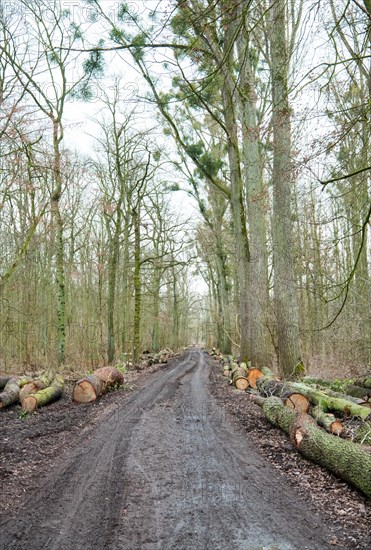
{"x": 185, "y": 172}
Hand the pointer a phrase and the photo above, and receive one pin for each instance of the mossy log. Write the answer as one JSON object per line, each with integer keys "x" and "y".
{"x": 4, "y": 379}
{"x": 10, "y": 394}
{"x": 239, "y": 379}
{"x": 328, "y": 403}
{"x": 90, "y": 387}
{"x": 42, "y": 397}
{"x": 348, "y": 460}
{"x": 327, "y": 421}
{"x": 284, "y": 390}
{"x": 351, "y": 387}
{"x": 364, "y": 381}
{"x": 35, "y": 385}
{"x": 357, "y": 391}
{"x": 234, "y": 367}
{"x": 339, "y": 395}
{"x": 254, "y": 374}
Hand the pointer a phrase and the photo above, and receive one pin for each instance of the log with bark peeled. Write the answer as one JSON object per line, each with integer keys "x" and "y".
{"x": 285, "y": 391}
{"x": 42, "y": 397}
{"x": 348, "y": 460}
{"x": 10, "y": 394}
{"x": 89, "y": 388}
{"x": 239, "y": 379}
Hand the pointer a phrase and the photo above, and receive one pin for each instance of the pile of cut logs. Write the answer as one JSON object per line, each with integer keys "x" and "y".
{"x": 148, "y": 358}
{"x": 34, "y": 392}
{"x": 315, "y": 414}
{"x": 30, "y": 392}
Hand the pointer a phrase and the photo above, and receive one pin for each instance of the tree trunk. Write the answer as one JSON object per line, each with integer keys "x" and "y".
{"x": 59, "y": 254}
{"x": 112, "y": 274}
{"x": 137, "y": 286}
{"x": 256, "y": 194}
{"x": 348, "y": 460}
{"x": 53, "y": 392}
{"x": 285, "y": 298}
{"x": 236, "y": 199}
{"x": 89, "y": 388}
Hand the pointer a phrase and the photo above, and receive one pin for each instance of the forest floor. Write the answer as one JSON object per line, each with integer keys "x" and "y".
{"x": 182, "y": 461}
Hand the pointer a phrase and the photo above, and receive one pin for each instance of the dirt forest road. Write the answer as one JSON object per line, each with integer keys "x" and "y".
{"x": 165, "y": 470}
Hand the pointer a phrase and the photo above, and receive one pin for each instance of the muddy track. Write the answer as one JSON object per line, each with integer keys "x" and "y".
{"x": 165, "y": 470}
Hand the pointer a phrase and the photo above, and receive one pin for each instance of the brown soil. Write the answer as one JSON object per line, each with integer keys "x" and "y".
{"x": 166, "y": 466}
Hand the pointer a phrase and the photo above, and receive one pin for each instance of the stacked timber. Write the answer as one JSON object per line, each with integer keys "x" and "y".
{"x": 148, "y": 358}
{"x": 313, "y": 415}
{"x": 90, "y": 387}
{"x": 31, "y": 392}
{"x": 10, "y": 393}
{"x": 43, "y": 396}
{"x": 346, "y": 459}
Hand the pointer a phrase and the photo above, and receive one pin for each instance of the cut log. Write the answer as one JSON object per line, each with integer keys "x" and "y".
{"x": 254, "y": 374}
{"x": 364, "y": 381}
{"x": 90, "y": 387}
{"x": 35, "y": 385}
{"x": 339, "y": 395}
{"x": 226, "y": 370}
{"x": 357, "y": 391}
{"x": 348, "y": 460}
{"x": 239, "y": 379}
{"x": 10, "y": 394}
{"x": 285, "y": 391}
{"x": 345, "y": 387}
{"x": 327, "y": 403}
{"x": 53, "y": 392}
{"x": 327, "y": 421}
{"x": 4, "y": 379}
